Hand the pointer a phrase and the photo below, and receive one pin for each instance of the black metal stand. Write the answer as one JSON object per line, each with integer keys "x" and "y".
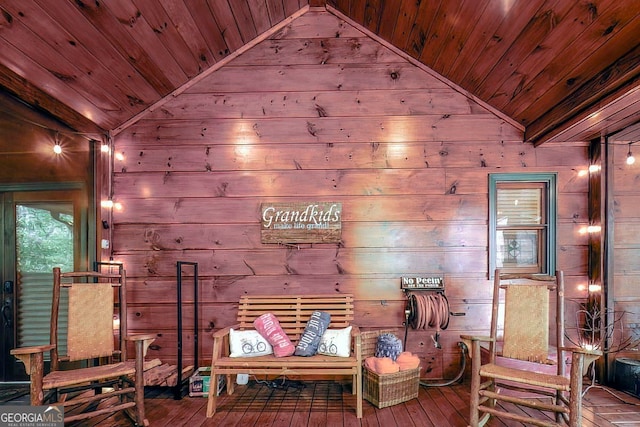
{"x": 177, "y": 391}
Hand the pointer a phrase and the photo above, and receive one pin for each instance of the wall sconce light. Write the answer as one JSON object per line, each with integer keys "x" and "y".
{"x": 594, "y": 288}
{"x": 590, "y": 229}
{"x": 110, "y": 204}
{"x": 630, "y": 159}
{"x": 593, "y": 229}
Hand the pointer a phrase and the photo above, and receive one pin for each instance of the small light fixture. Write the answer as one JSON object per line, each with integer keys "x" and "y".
{"x": 594, "y": 287}
{"x": 630, "y": 159}
{"x": 56, "y": 147}
{"x": 593, "y": 229}
{"x": 594, "y": 168}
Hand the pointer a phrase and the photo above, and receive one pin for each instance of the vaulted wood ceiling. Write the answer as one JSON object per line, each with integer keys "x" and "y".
{"x": 563, "y": 70}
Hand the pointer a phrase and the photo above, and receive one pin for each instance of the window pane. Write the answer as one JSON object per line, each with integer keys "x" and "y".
{"x": 517, "y": 248}
{"x": 522, "y": 222}
{"x": 519, "y": 206}
{"x": 44, "y": 239}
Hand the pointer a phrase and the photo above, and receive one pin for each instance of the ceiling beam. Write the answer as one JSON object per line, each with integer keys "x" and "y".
{"x": 628, "y": 134}
{"x": 40, "y": 100}
{"x": 609, "y": 118}
{"x": 602, "y": 92}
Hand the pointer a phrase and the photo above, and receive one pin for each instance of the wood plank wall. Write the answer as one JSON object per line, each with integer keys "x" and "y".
{"x": 320, "y": 112}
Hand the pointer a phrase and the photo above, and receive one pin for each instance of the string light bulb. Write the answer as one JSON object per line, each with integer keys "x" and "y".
{"x": 56, "y": 147}
{"x": 630, "y": 159}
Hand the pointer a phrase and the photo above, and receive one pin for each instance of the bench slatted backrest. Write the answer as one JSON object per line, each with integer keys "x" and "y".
{"x": 293, "y": 311}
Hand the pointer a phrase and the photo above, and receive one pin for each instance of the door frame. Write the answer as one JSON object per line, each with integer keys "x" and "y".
{"x": 84, "y": 253}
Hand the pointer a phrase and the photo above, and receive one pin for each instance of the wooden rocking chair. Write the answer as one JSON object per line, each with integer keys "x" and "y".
{"x": 520, "y": 360}
{"x": 97, "y": 378}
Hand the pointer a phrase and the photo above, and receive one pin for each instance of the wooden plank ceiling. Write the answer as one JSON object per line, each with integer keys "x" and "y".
{"x": 562, "y": 69}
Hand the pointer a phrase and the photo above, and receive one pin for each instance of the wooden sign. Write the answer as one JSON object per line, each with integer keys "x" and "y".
{"x": 304, "y": 222}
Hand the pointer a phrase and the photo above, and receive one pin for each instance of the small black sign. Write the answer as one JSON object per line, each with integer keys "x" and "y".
{"x": 422, "y": 282}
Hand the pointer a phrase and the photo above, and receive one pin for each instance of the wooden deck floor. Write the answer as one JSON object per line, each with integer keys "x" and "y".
{"x": 332, "y": 404}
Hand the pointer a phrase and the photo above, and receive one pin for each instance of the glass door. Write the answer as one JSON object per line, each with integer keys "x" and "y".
{"x": 41, "y": 230}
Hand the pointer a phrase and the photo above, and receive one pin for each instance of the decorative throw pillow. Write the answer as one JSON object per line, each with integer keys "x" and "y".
{"x": 269, "y": 327}
{"x": 248, "y": 344}
{"x": 310, "y": 338}
{"x": 388, "y": 345}
{"x": 336, "y": 342}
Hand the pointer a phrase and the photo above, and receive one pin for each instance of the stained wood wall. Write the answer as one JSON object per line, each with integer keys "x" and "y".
{"x": 321, "y": 112}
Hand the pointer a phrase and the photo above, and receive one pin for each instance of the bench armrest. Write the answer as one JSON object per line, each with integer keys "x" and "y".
{"x": 356, "y": 342}
{"x": 221, "y": 342}
{"x": 355, "y": 330}
{"x": 221, "y": 333}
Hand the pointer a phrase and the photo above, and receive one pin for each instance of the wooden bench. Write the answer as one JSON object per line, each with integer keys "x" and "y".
{"x": 292, "y": 312}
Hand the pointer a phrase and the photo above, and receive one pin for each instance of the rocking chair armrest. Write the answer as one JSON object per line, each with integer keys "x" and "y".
{"x": 140, "y": 337}
{"x": 33, "y": 359}
{"x": 586, "y": 352}
{"x": 32, "y": 349}
{"x": 484, "y": 338}
{"x": 582, "y": 357}
{"x": 473, "y": 344}
{"x": 142, "y": 343}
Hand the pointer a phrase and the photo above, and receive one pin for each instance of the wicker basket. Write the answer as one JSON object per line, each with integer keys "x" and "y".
{"x": 390, "y": 389}
{"x": 386, "y": 389}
